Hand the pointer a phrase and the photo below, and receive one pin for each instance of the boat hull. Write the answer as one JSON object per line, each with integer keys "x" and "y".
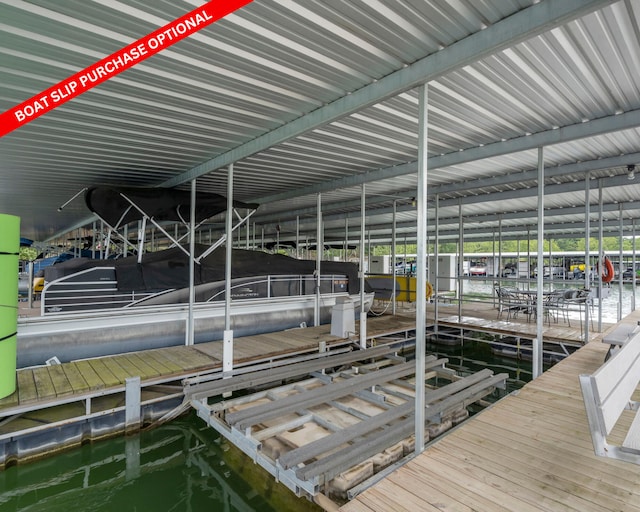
{"x": 83, "y": 335}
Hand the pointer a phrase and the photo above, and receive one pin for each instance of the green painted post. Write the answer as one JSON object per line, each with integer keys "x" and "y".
{"x": 9, "y": 248}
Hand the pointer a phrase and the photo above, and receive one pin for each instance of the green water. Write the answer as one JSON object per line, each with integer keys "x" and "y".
{"x": 182, "y": 466}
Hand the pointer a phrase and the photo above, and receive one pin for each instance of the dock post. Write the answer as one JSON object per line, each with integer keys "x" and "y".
{"x": 132, "y": 405}
{"x": 132, "y": 455}
{"x": 227, "y": 353}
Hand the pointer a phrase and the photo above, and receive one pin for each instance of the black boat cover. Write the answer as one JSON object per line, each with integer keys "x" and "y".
{"x": 161, "y": 204}
{"x": 169, "y": 269}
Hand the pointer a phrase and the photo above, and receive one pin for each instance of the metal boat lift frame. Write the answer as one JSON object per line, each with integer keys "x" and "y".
{"x": 175, "y": 241}
{"x": 385, "y": 428}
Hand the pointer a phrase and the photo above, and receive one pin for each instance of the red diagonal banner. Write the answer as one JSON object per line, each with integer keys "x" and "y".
{"x": 116, "y": 63}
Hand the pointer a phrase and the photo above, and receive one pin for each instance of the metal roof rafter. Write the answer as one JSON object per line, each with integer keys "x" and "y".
{"x": 528, "y": 142}
{"x": 507, "y": 32}
{"x": 528, "y": 175}
{"x": 550, "y": 189}
{"x": 561, "y": 230}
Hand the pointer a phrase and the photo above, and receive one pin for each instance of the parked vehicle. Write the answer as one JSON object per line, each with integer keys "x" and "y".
{"x": 477, "y": 269}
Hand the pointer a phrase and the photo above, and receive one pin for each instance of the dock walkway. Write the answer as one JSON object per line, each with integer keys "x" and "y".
{"x": 61, "y": 394}
{"x": 531, "y": 451}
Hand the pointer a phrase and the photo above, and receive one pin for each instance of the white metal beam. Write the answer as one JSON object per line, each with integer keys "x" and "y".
{"x": 568, "y": 133}
{"x": 421, "y": 268}
{"x": 506, "y": 33}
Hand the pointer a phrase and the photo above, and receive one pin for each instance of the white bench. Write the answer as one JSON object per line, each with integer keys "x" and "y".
{"x": 619, "y": 336}
{"x": 607, "y": 393}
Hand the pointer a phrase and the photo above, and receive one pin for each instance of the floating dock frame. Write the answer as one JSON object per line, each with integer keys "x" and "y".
{"x": 331, "y": 430}
{"x": 59, "y": 406}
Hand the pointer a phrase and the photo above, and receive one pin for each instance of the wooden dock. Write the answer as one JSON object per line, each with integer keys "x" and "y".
{"x": 483, "y": 317}
{"x": 43, "y": 387}
{"x": 40, "y": 389}
{"x": 531, "y": 451}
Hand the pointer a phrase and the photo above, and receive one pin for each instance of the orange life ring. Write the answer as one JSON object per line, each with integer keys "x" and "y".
{"x": 607, "y": 270}
{"x": 429, "y": 290}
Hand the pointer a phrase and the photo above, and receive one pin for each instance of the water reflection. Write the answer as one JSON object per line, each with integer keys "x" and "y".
{"x": 181, "y": 466}
{"x": 186, "y": 466}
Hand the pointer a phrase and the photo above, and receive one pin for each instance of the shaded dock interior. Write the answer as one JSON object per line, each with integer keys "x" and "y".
{"x": 63, "y": 394}
{"x": 531, "y": 451}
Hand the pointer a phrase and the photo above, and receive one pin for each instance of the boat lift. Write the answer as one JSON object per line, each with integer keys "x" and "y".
{"x": 330, "y": 432}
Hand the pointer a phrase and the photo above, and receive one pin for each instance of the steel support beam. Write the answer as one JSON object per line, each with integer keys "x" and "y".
{"x": 509, "y": 31}
{"x": 537, "y": 342}
{"x": 227, "y": 341}
{"x": 551, "y": 189}
{"x": 568, "y": 133}
{"x": 421, "y": 267}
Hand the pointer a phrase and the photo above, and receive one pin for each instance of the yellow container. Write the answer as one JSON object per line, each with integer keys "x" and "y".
{"x": 405, "y": 287}
{"x": 38, "y": 284}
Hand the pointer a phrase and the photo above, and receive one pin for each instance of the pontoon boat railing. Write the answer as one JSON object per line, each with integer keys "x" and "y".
{"x": 97, "y": 289}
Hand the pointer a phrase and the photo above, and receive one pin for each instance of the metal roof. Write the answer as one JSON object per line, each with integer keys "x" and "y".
{"x": 319, "y": 96}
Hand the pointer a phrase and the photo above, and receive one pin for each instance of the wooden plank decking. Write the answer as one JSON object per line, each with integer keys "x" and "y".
{"x": 531, "y": 451}
{"x": 44, "y": 385}
{"x": 483, "y": 317}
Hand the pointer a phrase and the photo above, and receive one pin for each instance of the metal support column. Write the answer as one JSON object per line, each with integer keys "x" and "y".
{"x": 620, "y": 267}
{"x": 125, "y": 251}
{"x": 436, "y": 264}
{"x": 601, "y": 251}
{"x": 368, "y": 249}
{"x": 363, "y": 314}
{"x": 316, "y": 309}
{"x": 190, "y": 339}
{"x": 132, "y": 412}
{"x": 537, "y": 342}
{"x": 93, "y": 245}
{"x": 227, "y": 340}
{"x": 461, "y": 258}
{"x": 247, "y": 232}
{"x": 587, "y": 249}
{"x": 346, "y": 239}
{"x": 528, "y": 259}
{"x": 298, "y": 236}
{"x": 633, "y": 266}
{"x": 421, "y": 268}
{"x": 393, "y": 258}
{"x": 102, "y": 241}
{"x": 500, "y": 262}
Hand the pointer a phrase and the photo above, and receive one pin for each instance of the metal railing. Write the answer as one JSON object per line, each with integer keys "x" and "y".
{"x": 96, "y": 289}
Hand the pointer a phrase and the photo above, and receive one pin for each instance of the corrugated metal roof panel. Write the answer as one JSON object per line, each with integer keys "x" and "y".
{"x": 275, "y": 61}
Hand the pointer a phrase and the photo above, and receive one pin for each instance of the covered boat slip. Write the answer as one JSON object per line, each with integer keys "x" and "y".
{"x": 50, "y": 398}
{"x": 326, "y": 434}
{"x": 415, "y": 121}
{"x": 531, "y": 451}
{"x": 453, "y": 323}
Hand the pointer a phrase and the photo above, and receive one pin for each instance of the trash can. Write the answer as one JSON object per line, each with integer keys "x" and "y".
{"x": 9, "y": 248}
{"x": 343, "y": 318}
